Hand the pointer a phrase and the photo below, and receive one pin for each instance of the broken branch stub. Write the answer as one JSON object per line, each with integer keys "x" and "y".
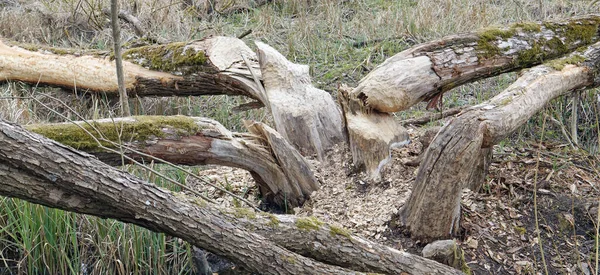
{"x": 426, "y": 70}
{"x": 460, "y": 152}
{"x": 371, "y": 135}
{"x": 306, "y": 116}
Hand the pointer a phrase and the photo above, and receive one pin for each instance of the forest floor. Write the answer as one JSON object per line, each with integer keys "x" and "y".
{"x": 342, "y": 41}
{"x": 498, "y": 223}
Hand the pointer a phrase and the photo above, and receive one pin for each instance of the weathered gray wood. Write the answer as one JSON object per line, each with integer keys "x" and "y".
{"x": 51, "y": 174}
{"x": 459, "y": 149}
{"x": 306, "y": 116}
{"x": 426, "y": 70}
{"x": 278, "y": 169}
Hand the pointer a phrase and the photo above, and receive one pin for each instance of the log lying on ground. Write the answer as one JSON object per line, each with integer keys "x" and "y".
{"x": 209, "y": 66}
{"x": 425, "y": 71}
{"x": 304, "y": 115}
{"x": 194, "y": 141}
{"x": 371, "y": 135}
{"x": 459, "y": 149}
{"x": 48, "y": 173}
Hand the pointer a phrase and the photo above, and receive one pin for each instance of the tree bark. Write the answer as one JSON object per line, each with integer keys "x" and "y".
{"x": 438, "y": 66}
{"x": 304, "y": 115}
{"x": 210, "y": 66}
{"x": 48, "y": 173}
{"x": 194, "y": 141}
{"x": 450, "y": 163}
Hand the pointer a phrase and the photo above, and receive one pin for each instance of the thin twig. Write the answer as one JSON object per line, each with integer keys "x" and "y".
{"x": 116, "y": 32}
{"x": 432, "y": 117}
{"x": 535, "y": 208}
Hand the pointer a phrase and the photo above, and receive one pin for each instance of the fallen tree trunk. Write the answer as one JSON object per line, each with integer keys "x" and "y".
{"x": 194, "y": 141}
{"x": 47, "y": 173}
{"x": 438, "y": 66}
{"x": 304, "y": 115}
{"x": 463, "y": 145}
{"x": 209, "y": 66}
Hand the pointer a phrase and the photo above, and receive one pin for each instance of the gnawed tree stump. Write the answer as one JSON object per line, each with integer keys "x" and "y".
{"x": 371, "y": 135}
{"x": 426, "y": 70}
{"x": 283, "y": 177}
{"x": 48, "y": 173}
{"x": 209, "y": 66}
{"x": 304, "y": 115}
{"x": 301, "y": 181}
{"x": 464, "y": 144}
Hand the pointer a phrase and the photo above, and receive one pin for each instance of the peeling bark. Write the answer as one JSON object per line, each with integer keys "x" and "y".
{"x": 210, "y": 66}
{"x": 463, "y": 145}
{"x": 438, "y": 66}
{"x": 195, "y": 141}
{"x": 48, "y": 173}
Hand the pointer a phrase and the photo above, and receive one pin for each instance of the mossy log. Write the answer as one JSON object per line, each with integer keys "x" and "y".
{"x": 461, "y": 150}
{"x": 427, "y": 70}
{"x": 304, "y": 115}
{"x": 209, "y": 66}
{"x": 193, "y": 141}
{"x": 48, "y": 173}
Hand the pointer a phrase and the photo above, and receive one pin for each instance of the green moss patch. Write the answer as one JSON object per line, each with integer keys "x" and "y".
{"x": 559, "y": 64}
{"x": 240, "y": 212}
{"x": 334, "y": 230}
{"x": 273, "y": 221}
{"x": 308, "y": 223}
{"x": 142, "y": 129}
{"x": 568, "y": 36}
{"x": 173, "y": 57}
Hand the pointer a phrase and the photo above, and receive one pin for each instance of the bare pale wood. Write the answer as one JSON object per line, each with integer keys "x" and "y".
{"x": 371, "y": 135}
{"x": 209, "y": 66}
{"x": 306, "y": 116}
{"x": 425, "y": 71}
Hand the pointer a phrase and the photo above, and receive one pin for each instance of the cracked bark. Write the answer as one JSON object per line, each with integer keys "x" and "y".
{"x": 196, "y": 141}
{"x": 45, "y": 172}
{"x": 461, "y": 149}
{"x": 440, "y": 65}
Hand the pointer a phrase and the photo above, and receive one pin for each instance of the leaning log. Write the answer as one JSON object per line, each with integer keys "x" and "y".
{"x": 463, "y": 145}
{"x": 426, "y": 70}
{"x": 208, "y": 66}
{"x": 48, "y": 173}
{"x": 193, "y": 141}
